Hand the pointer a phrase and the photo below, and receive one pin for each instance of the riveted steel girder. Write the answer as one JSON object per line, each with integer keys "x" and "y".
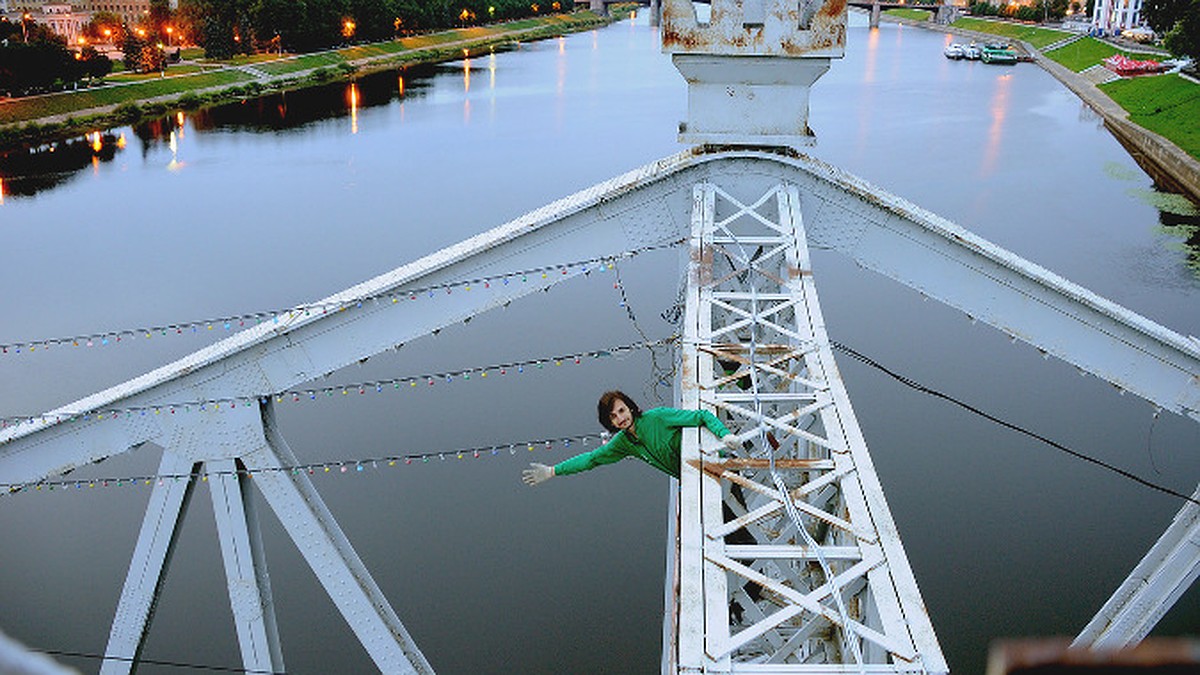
{"x": 652, "y": 205}
{"x": 788, "y": 557}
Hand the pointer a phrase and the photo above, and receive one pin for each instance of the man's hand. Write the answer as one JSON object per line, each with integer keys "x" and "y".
{"x": 537, "y": 473}
{"x": 732, "y": 441}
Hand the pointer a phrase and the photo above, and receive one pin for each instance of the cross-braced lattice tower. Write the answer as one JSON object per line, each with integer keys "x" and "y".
{"x": 788, "y": 559}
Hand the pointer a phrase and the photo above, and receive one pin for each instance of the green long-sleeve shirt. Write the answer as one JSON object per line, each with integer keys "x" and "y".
{"x": 657, "y": 443}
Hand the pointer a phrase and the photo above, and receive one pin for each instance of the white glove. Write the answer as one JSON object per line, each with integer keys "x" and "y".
{"x": 732, "y": 441}
{"x": 537, "y": 473}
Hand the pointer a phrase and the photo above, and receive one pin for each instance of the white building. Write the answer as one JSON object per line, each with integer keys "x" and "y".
{"x": 63, "y": 20}
{"x": 1113, "y": 16}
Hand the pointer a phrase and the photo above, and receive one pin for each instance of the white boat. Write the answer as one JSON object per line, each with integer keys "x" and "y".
{"x": 972, "y": 51}
{"x": 953, "y": 50}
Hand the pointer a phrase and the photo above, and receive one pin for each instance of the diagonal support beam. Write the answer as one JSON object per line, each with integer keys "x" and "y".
{"x": 331, "y": 557}
{"x": 147, "y": 569}
{"x": 1164, "y": 573}
{"x": 245, "y": 567}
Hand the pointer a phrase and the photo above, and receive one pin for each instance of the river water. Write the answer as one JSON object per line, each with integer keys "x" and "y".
{"x": 261, "y": 205}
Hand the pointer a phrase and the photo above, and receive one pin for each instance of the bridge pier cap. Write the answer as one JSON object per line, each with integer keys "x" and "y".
{"x": 749, "y": 65}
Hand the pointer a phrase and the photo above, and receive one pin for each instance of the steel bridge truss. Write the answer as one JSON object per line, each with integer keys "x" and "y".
{"x": 788, "y": 557}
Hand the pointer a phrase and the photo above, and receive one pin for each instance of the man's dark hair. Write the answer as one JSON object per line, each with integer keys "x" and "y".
{"x": 605, "y": 406}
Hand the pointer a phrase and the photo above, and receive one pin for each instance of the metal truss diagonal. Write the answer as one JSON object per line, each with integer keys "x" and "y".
{"x": 788, "y": 557}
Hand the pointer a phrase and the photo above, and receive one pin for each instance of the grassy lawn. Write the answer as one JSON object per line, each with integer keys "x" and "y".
{"x": 914, "y": 14}
{"x": 172, "y": 71}
{"x": 306, "y": 62}
{"x": 248, "y": 59}
{"x": 1038, "y": 37}
{"x": 1165, "y": 104}
{"x": 1083, "y": 54}
{"x": 22, "y": 109}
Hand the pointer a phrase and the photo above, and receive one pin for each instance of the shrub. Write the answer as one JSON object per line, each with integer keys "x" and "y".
{"x": 128, "y": 112}
{"x": 190, "y": 101}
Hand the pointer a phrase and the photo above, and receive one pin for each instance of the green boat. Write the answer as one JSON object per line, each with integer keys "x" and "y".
{"x": 1000, "y": 54}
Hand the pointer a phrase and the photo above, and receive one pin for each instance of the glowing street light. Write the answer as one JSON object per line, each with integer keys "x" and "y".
{"x": 348, "y": 27}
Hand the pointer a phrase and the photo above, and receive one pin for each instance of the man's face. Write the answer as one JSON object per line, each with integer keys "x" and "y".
{"x": 621, "y": 416}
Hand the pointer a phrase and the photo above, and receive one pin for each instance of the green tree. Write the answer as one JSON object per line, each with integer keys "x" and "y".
{"x": 323, "y": 27}
{"x": 1183, "y": 38}
{"x": 1162, "y": 14}
{"x": 92, "y": 64}
{"x": 278, "y": 20}
{"x": 42, "y": 64}
{"x": 374, "y": 19}
{"x": 157, "y": 21}
{"x": 105, "y": 27}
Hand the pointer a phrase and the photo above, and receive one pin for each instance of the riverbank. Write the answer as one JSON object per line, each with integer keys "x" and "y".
{"x": 49, "y": 117}
{"x": 1166, "y": 162}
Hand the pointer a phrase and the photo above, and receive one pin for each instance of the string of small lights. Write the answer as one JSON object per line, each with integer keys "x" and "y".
{"x": 228, "y": 323}
{"x": 333, "y": 467}
{"x": 344, "y": 466}
{"x": 315, "y": 393}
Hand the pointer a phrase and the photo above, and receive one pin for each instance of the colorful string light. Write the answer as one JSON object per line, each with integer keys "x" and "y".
{"x": 340, "y": 466}
{"x": 228, "y": 323}
{"x": 296, "y": 395}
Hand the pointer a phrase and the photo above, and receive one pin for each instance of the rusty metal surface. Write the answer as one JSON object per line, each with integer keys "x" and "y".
{"x": 1049, "y": 655}
{"x": 769, "y": 28}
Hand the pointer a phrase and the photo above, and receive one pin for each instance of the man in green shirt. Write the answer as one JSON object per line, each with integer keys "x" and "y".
{"x": 653, "y": 436}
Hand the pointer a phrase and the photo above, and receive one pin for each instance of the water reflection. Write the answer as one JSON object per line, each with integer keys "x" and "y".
{"x": 999, "y": 110}
{"x": 352, "y": 96}
{"x": 466, "y": 68}
{"x": 872, "y": 55}
{"x": 296, "y": 110}
{"x": 25, "y": 172}
{"x": 174, "y": 164}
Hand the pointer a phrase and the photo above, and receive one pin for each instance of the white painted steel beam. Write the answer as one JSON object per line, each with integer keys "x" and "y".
{"x": 147, "y": 569}
{"x": 756, "y": 586}
{"x": 652, "y": 205}
{"x": 245, "y": 567}
{"x": 329, "y": 554}
{"x": 1166, "y": 571}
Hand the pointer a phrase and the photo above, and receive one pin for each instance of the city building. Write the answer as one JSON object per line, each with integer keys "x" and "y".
{"x": 1110, "y": 17}
{"x": 61, "y": 18}
{"x": 69, "y": 18}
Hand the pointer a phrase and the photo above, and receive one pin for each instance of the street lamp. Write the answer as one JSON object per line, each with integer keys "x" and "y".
{"x": 170, "y": 30}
